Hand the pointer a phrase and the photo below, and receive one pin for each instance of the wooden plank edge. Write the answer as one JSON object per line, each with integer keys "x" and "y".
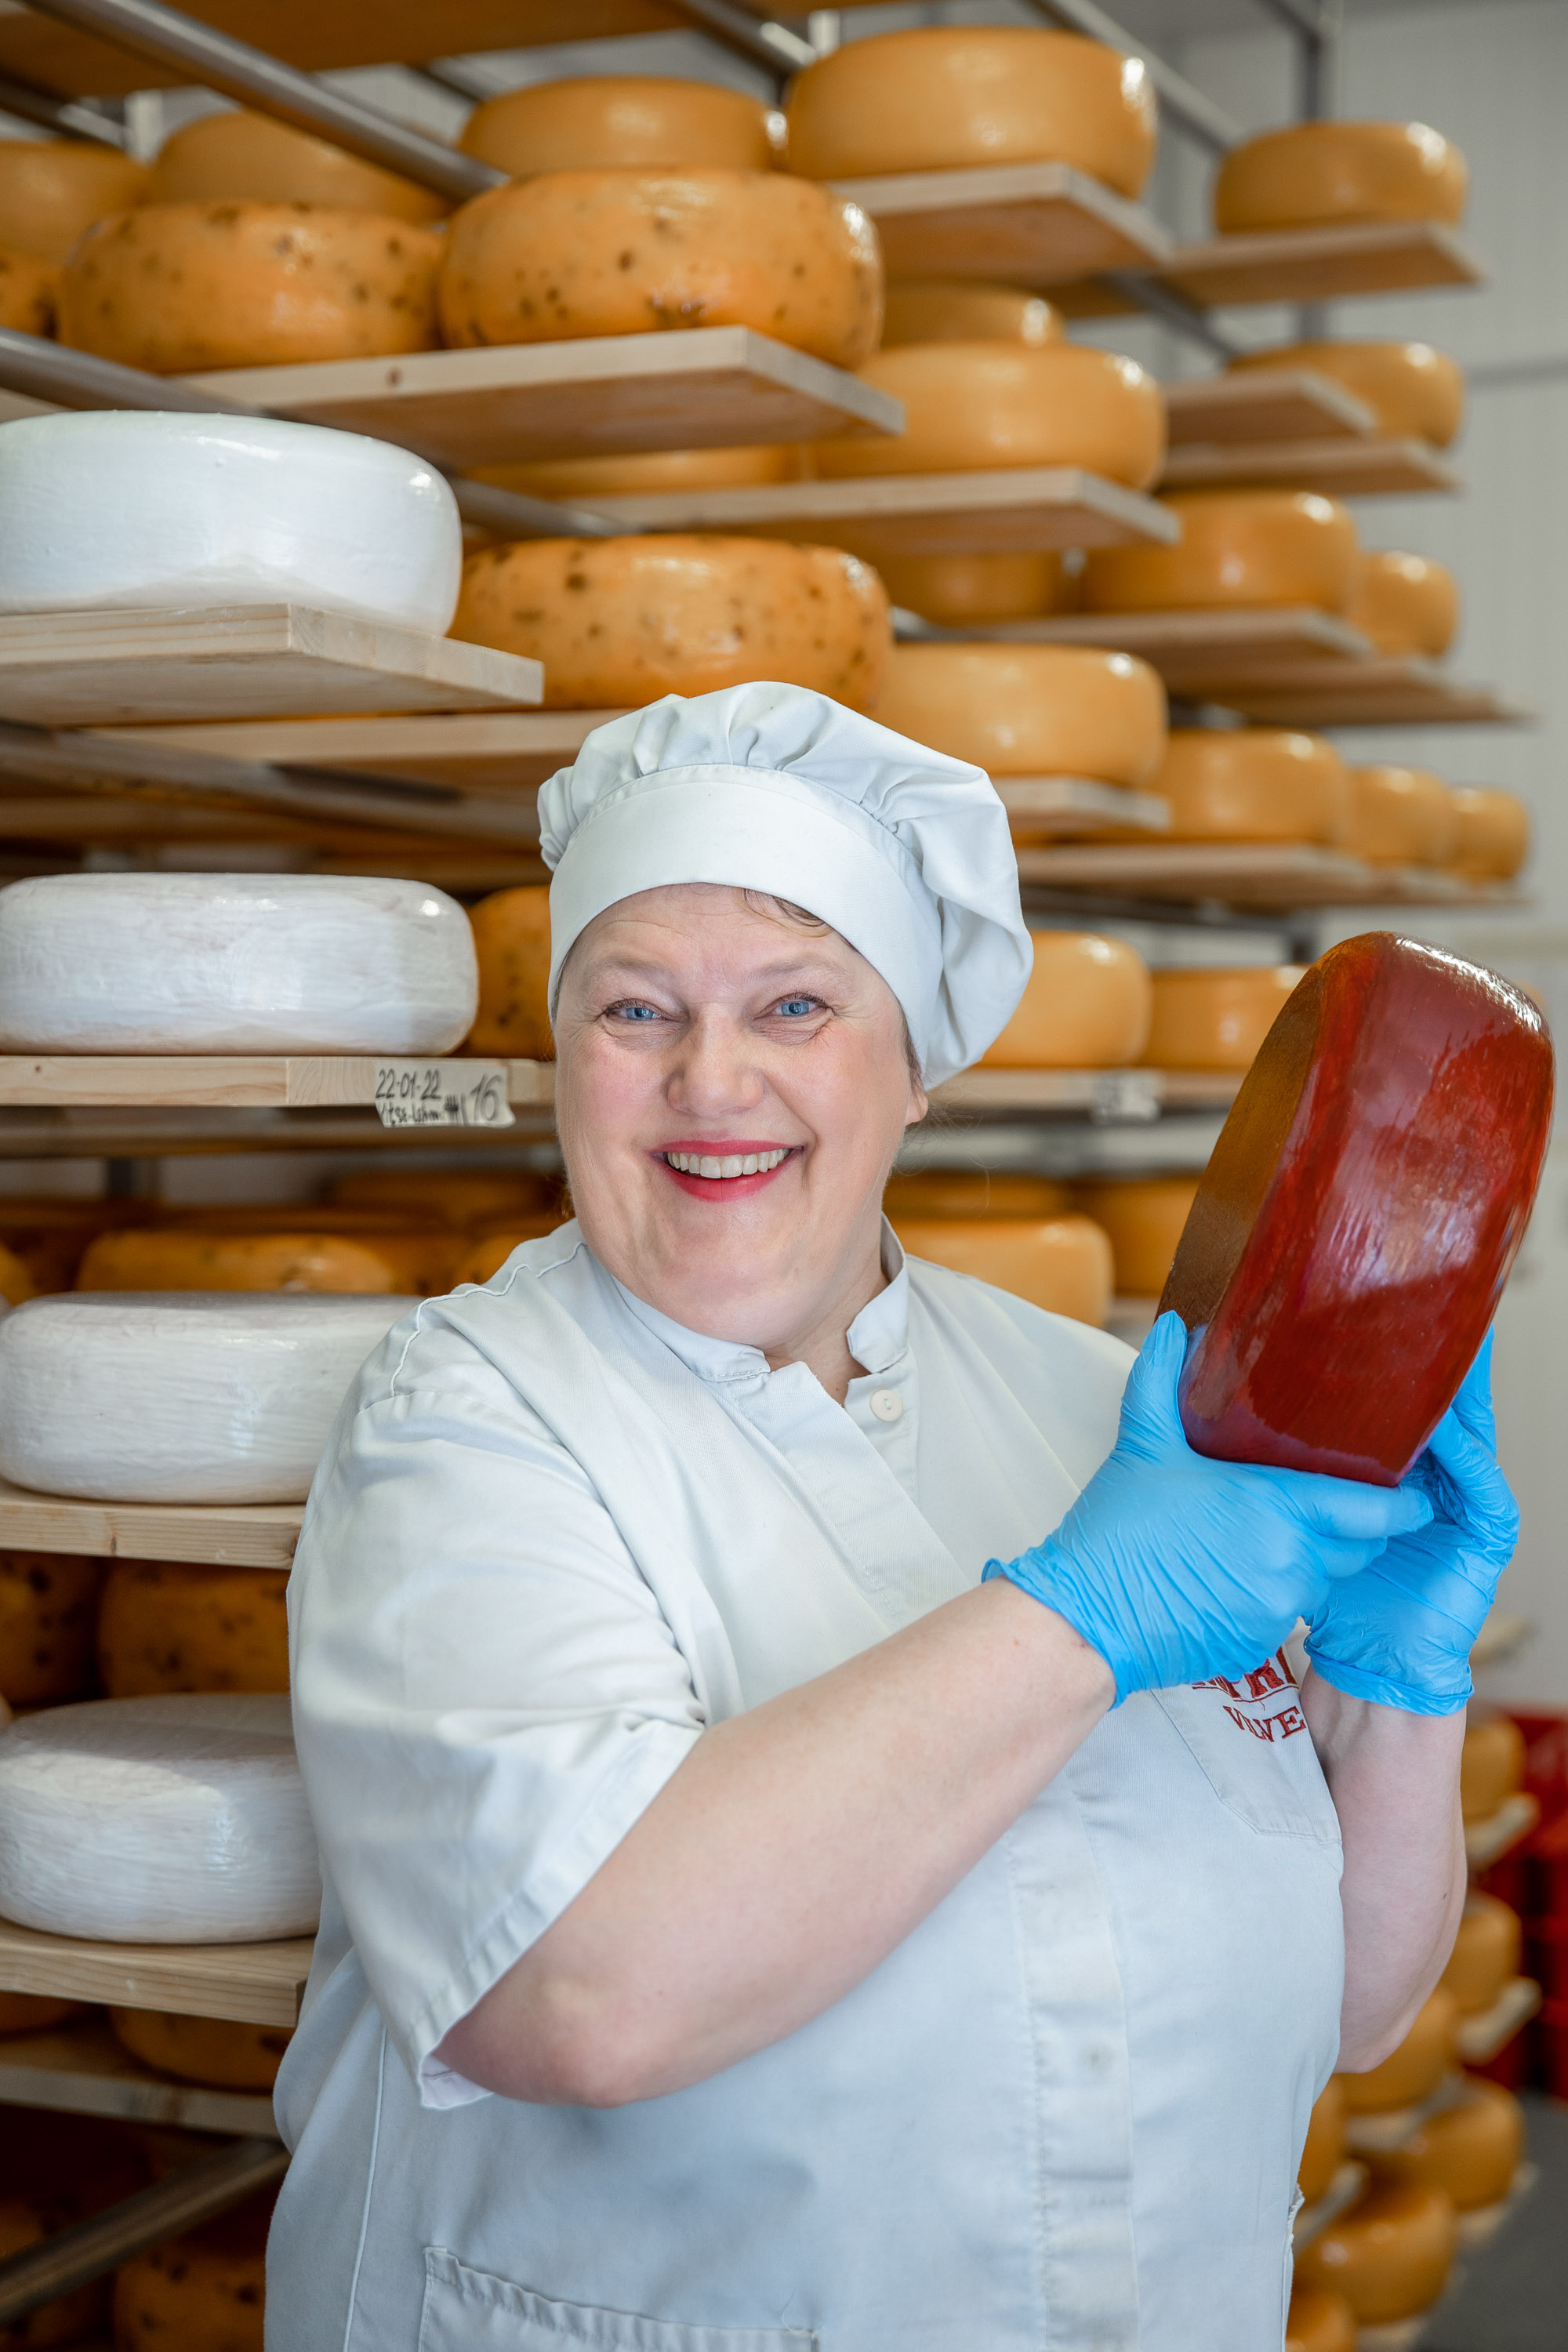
{"x": 252, "y": 1984}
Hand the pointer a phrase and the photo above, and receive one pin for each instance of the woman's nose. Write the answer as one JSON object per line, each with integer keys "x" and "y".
{"x": 714, "y": 1069}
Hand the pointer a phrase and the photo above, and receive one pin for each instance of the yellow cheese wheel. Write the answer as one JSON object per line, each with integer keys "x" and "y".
{"x": 464, "y": 1196}
{"x": 1411, "y": 389}
{"x": 491, "y": 1252}
{"x": 203, "y": 2292}
{"x": 1389, "y": 2255}
{"x": 649, "y": 470}
{"x": 1319, "y": 2321}
{"x": 1485, "y": 1955}
{"x": 25, "y": 2222}
{"x": 169, "y": 1259}
{"x": 1325, "y": 2144}
{"x": 15, "y": 1282}
{"x": 253, "y": 156}
{"x": 180, "y": 289}
{"x": 1029, "y": 711}
{"x": 1237, "y": 548}
{"x": 1400, "y": 817}
{"x": 1252, "y": 783}
{"x": 962, "y": 591}
{"x": 29, "y": 291}
{"x": 967, "y": 310}
{"x": 31, "y": 2013}
{"x": 51, "y": 189}
{"x": 1143, "y": 1216}
{"x": 48, "y": 1234}
{"x": 622, "y": 621}
{"x": 1215, "y": 1020}
{"x": 951, "y": 98}
{"x": 1405, "y": 604}
{"x": 609, "y": 119}
{"x": 1492, "y": 1765}
{"x": 633, "y": 252}
{"x": 418, "y": 1252}
{"x": 1323, "y": 174}
{"x": 1491, "y": 835}
{"x": 1062, "y": 1264}
{"x": 169, "y": 1625}
{"x": 1086, "y": 1007}
{"x": 921, "y": 1193}
{"x": 1413, "y": 2072}
{"x": 974, "y": 406}
{"x": 1470, "y": 2151}
{"x": 512, "y": 938}
{"x": 216, "y": 2051}
{"x": 48, "y": 1605}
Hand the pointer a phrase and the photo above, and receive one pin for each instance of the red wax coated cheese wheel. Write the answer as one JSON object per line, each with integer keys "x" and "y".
{"x": 1400, "y": 817}
{"x": 634, "y": 472}
{"x": 966, "y": 311}
{"x": 51, "y": 189}
{"x": 512, "y": 938}
{"x": 237, "y": 153}
{"x": 921, "y": 1193}
{"x": 1322, "y": 174}
{"x": 170, "y": 1259}
{"x": 1413, "y": 2072}
{"x": 492, "y": 1251}
{"x": 1215, "y": 1020}
{"x": 1062, "y": 1264}
{"x": 29, "y": 291}
{"x": 1486, "y": 1953}
{"x": 1412, "y": 390}
{"x": 1319, "y": 2321}
{"x": 1029, "y": 711}
{"x": 217, "y": 2051}
{"x": 974, "y": 406}
{"x": 1325, "y": 2146}
{"x": 586, "y": 123}
{"x": 462, "y": 1196}
{"x": 171, "y": 1626}
{"x": 1086, "y": 1007}
{"x": 1237, "y": 548}
{"x": 1470, "y": 2151}
{"x": 1143, "y": 1216}
{"x": 1405, "y": 604}
{"x": 634, "y": 252}
{"x": 1492, "y": 1765}
{"x": 203, "y": 2292}
{"x": 182, "y": 288}
{"x": 618, "y": 622}
{"x": 961, "y": 591}
{"x": 951, "y": 97}
{"x": 1358, "y": 1217}
{"x": 1491, "y": 834}
{"x": 1252, "y": 783}
{"x": 48, "y": 1605}
{"x": 1389, "y": 2256}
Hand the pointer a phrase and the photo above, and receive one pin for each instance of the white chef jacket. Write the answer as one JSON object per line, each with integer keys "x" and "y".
{"x": 553, "y": 1537}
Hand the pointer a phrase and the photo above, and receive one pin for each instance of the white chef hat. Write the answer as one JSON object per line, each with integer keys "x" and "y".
{"x": 906, "y": 853}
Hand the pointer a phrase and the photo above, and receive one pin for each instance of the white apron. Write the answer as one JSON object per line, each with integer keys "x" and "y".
{"x": 555, "y": 1536}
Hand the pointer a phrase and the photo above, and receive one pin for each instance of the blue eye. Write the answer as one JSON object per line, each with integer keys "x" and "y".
{"x": 795, "y": 1006}
{"x": 633, "y": 1012}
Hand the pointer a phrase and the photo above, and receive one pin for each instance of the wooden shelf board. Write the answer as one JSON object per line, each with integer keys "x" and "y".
{"x": 223, "y": 1081}
{"x": 1483, "y": 2035}
{"x": 157, "y": 1134}
{"x": 256, "y": 1984}
{"x": 1243, "y": 875}
{"x": 83, "y": 2070}
{"x": 510, "y": 750}
{"x": 707, "y": 387}
{"x": 1264, "y": 405}
{"x": 1064, "y": 805}
{"x": 99, "y": 668}
{"x": 231, "y": 1535}
{"x": 1300, "y": 265}
{"x": 1121, "y": 1097}
{"x": 1488, "y": 1841}
{"x": 1349, "y": 2181}
{"x": 1375, "y": 693}
{"x": 1338, "y": 467}
{"x": 1026, "y": 224}
{"x": 1192, "y": 651}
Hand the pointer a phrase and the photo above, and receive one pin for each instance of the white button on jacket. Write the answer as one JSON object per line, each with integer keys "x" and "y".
{"x": 554, "y": 1536}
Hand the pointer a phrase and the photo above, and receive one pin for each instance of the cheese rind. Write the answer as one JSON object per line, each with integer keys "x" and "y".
{"x": 1405, "y": 604}
{"x": 511, "y": 940}
{"x": 962, "y": 591}
{"x": 1491, "y": 833}
{"x": 169, "y": 1259}
{"x": 1486, "y": 1953}
{"x": 1252, "y": 783}
{"x": 203, "y": 2292}
{"x": 29, "y": 291}
{"x": 1400, "y": 817}
{"x": 967, "y": 310}
{"x": 1062, "y": 1264}
{"x": 1471, "y": 2151}
{"x": 925, "y": 1192}
{"x": 1319, "y": 2321}
{"x": 1237, "y": 548}
{"x": 1215, "y": 1020}
{"x": 492, "y": 1251}
{"x": 600, "y": 121}
{"x": 169, "y": 1625}
{"x": 1143, "y": 1215}
{"x": 654, "y": 470}
{"x": 1413, "y": 2072}
{"x": 1410, "y": 388}
{"x": 28, "y": 2013}
{"x": 1389, "y": 2255}
{"x": 1325, "y": 2143}
{"x": 219, "y": 2052}
{"x": 1330, "y": 174}
{"x": 1030, "y": 710}
{"x": 255, "y": 157}
{"x": 1086, "y": 1007}
{"x": 53, "y": 189}
{"x": 462, "y": 1195}
{"x": 1492, "y": 1766}
{"x": 48, "y": 1607}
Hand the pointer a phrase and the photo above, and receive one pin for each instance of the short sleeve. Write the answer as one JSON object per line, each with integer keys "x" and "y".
{"x": 486, "y": 1695}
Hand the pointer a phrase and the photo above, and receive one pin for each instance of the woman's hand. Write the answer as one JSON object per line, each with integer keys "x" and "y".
{"x": 1175, "y": 1567}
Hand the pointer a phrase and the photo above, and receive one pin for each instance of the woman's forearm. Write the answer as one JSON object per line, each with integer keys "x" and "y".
{"x": 788, "y": 1855}
{"x": 1394, "y": 1779}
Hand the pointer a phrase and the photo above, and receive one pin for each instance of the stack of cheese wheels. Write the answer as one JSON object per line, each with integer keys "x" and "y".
{"x": 620, "y": 622}
{"x": 967, "y": 310}
{"x": 955, "y": 97}
{"x": 1400, "y": 817}
{"x": 48, "y": 1605}
{"x": 1470, "y": 2151}
{"x": 961, "y": 592}
{"x": 217, "y": 2051}
{"x": 486, "y": 1256}
{"x": 1215, "y": 1020}
{"x": 463, "y": 1196}
{"x": 1413, "y": 2072}
{"x": 216, "y": 963}
{"x": 1412, "y": 390}
{"x": 1405, "y": 604}
{"x": 1143, "y": 1216}
{"x": 1319, "y": 2321}
{"x": 157, "y": 1820}
{"x": 301, "y": 1259}
{"x": 1389, "y": 2256}
{"x": 650, "y": 471}
{"x": 201, "y": 1397}
{"x": 1484, "y": 1957}
{"x": 633, "y": 251}
{"x": 1030, "y": 710}
{"x": 1252, "y": 783}
{"x": 1325, "y": 2146}
{"x": 921, "y": 1193}
{"x": 1062, "y": 1264}
{"x": 237, "y": 155}
{"x": 1491, "y": 835}
{"x": 1086, "y": 1007}
{"x": 203, "y": 2292}
{"x": 1237, "y": 548}
{"x": 1330, "y": 175}
{"x": 172, "y": 1626}
{"x": 512, "y": 938}
{"x": 622, "y": 120}
{"x": 1491, "y": 1764}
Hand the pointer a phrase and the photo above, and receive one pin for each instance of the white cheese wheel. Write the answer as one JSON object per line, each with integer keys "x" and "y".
{"x": 1322, "y": 174}
{"x": 1405, "y": 604}
{"x": 1237, "y": 548}
{"x": 175, "y": 1820}
{"x": 1143, "y": 1216}
{"x": 1400, "y": 817}
{"x": 1413, "y": 2072}
{"x": 1319, "y": 2321}
{"x": 52, "y": 189}
{"x": 1411, "y": 389}
{"x": 116, "y": 509}
{"x": 1215, "y": 1020}
{"x": 1086, "y": 1007}
{"x": 1471, "y": 2151}
{"x": 953, "y": 98}
{"x": 960, "y": 591}
{"x": 1062, "y": 1264}
{"x": 233, "y": 963}
{"x": 182, "y": 1396}
{"x": 1325, "y": 2143}
{"x": 976, "y": 406}
{"x": 620, "y": 120}
{"x": 1485, "y": 1955}
{"x": 237, "y": 153}
{"x": 1389, "y": 2255}
{"x": 1491, "y": 834}
{"x": 1252, "y": 783}
{"x": 1030, "y": 710}
{"x": 967, "y": 310}
{"x": 629, "y": 473}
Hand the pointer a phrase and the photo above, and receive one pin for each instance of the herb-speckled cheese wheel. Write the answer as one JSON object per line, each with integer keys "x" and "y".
{"x": 1252, "y": 783}
{"x": 1389, "y": 2255}
{"x": 1405, "y": 604}
{"x": 976, "y": 406}
{"x": 618, "y": 622}
{"x": 217, "y": 2051}
{"x": 463, "y": 1195}
{"x": 1319, "y": 2321}
{"x": 1400, "y": 817}
{"x": 1485, "y": 1955}
{"x": 252, "y": 156}
{"x": 1086, "y": 1007}
{"x": 182, "y": 288}
{"x": 1324, "y": 175}
{"x": 167, "y": 1625}
{"x": 511, "y": 940}
{"x": 1143, "y": 1216}
{"x": 29, "y": 291}
{"x": 967, "y": 310}
{"x": 1062, "y": 1264}
{"x": 1030, "y": 710}
{"x": 492, "y": 1251}
{"x": 1411, "y": 389}
{"x": 1413, "y": 2072}
{"x": 1492, "y": 1766}
{"x": 176, "y": 1260}
{"x": 51, "y": 189}
{"x": 1215, "y": 1020}
{"x": 31, "y": 2013}
{"x": 203, "y": 2292}
{"x": 1470, "y": 2151}
{"x": 645, "y": 470}
{"x": 921, "y": 1192}
{"x": 631, "y": 252}
{"x": 960, "y": 591}
{"x": 623, "y": 118}
{"x": 49, "y": 1604}
{"x": 1237, "y": 548}
{"x": 1325, "y": 2143}
{"x": 1491, "y": 835}
{"x": 953, "y": 97}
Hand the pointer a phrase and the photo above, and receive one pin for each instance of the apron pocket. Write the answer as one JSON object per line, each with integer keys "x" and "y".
{"x": 472, "y": 2311}
{"x": 1251, "y": 1740}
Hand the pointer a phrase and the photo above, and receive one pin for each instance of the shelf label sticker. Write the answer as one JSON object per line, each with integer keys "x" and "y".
{"x": 1131, "y": 1095}
{"x": 442, "y": 1093}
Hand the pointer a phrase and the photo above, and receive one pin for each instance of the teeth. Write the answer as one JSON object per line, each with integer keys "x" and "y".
{"x": 753, "y": 1163}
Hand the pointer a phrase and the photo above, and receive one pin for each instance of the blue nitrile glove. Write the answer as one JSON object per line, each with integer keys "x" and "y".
{"x": 1176, "y": 1568}
{"x": 1402, "y": 1632}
